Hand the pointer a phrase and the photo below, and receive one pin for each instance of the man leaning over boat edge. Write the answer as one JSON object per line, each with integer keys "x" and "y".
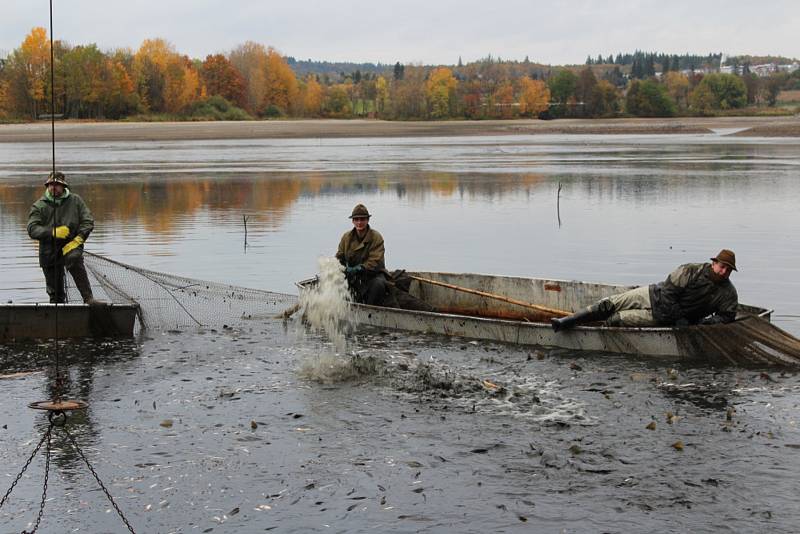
{"x": 694, "y": 293}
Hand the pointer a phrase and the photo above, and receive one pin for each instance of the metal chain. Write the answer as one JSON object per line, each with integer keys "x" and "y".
{"x": 100, "y": 482}
{"x": 44, "y": 487}
{"x": 25, "y": 467}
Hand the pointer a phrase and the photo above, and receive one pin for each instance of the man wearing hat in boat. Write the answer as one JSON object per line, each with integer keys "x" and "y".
{"x": 694, "y": 293}
{"x": 361, "y": 253}
{"x": 61, "y": 222}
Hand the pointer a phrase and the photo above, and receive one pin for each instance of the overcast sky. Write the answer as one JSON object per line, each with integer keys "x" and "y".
{"x": 420, "y": 31}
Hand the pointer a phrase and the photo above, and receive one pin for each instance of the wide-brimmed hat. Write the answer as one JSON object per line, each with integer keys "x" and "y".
{"x": 360, "y": 211}
{"x": 56, "y": 177}
{"x": 726, "y": 257}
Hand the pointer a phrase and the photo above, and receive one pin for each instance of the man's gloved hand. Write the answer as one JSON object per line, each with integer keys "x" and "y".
{"x": 61, "y": 232}
{"x": 354, "y": 270}
{"x": 682, "y": 322}
{"x": 72, "y": 245}
{"x": 712, "y": 319}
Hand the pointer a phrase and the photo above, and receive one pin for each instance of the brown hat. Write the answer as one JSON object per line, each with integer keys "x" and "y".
{"x": 726, "y": 257}
{"x": 56, "y": 177}
{"x": 360, "y": 211}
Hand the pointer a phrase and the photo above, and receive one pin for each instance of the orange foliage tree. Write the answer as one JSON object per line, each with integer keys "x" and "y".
{"x": 534, "y": 97}
{"x": 503, "y": 101}
{"x": 281, "y": 84}
{"x": 166, "y": 81}
{"x": 222, "y": 78}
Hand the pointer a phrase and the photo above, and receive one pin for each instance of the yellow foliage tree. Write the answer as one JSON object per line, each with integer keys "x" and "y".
{"x": 166, "y": 80}
{"x": 678, "y": 88}
{"x": 534, "y": 97}
{"x": 440, "y": 91}
{"x": 181, "y": 84}
{"x": 4, "y": 103}
{"x": 28, "y": 72}
{"x": 381, "y": 94}
{"x": 250, "y": 59}
{"x": 606, "y": 98}
{"x": 313, "y": 95}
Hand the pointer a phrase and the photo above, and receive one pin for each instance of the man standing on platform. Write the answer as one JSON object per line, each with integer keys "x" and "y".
{"x": 61, "y": 223}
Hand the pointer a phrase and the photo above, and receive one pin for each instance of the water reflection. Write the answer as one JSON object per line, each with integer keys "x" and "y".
{"x": 631, "y": 207}
{"x": 82, "y": 374}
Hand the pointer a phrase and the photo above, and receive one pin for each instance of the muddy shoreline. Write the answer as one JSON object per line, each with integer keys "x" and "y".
{"x": 68, "y": 131}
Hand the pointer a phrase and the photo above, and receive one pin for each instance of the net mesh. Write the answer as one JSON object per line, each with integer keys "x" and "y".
{"x": 748, "y": 341}
{"x": 168, "y": 301}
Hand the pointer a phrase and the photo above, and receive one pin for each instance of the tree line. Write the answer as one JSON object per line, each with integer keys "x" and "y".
{"x": 256, "y": 81}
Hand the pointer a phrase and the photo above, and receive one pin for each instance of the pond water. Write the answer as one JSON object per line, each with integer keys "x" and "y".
{"x": 421, "y": 439}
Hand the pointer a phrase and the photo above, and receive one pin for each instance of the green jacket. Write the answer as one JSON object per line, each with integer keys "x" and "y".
{"x": 368, "y": 251}
{"x": 690, "y": 293}
{"x": 47, "y": 213}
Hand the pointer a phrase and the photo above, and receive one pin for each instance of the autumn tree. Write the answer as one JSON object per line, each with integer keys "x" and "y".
{"x": 534, "y": 97}
{"x": 440, "y": 90}
{"x": 182, "y": 84}
{"x": 562, "y": 88}
{"x": 270, "y": 84}
{"x": 150, "y": 66}
{"x": 605, "y": 99}
{"x": 381, "y": 95}
{"x": 585, "y": 93}
{"x": 4, "y": 103}
{"x": 221, "y": 78}
{"x": 408, "y": 94}
{"x": 250, "y": 59}
{"x": 281, "y": 83}
{"x": 28, "y": 74}
{"x": 312, "y": 97}
{"x": 338, "y": 103}
{"x": 502, "y": 102}
{"x": 677, "y": 85}
{"x": 718, "y": 91}
{"x": 84, "y": 72}
{"x": 472, "y": 99}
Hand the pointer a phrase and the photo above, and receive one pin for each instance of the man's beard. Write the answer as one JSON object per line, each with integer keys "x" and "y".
{"x": 715, "y": 277}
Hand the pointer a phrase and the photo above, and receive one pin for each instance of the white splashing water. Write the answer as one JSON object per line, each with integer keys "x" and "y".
{"x": 326, "y": 309}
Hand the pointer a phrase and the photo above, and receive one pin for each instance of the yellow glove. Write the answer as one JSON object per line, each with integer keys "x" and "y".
{"x": 61, "y": 232}
{"x": 72, "y": 245}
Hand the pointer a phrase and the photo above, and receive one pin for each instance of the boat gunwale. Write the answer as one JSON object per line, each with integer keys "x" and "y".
{"x": 302, "y": 284}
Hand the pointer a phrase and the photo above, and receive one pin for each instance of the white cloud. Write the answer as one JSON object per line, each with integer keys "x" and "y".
{"x": 427, "y": 31}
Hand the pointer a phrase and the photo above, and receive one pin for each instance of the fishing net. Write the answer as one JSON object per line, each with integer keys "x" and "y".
{"x": 748, "y": 341}
{"x": 168, "y": 301}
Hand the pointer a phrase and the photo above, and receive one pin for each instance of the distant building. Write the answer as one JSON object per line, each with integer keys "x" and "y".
{"x": 761, "y": 71}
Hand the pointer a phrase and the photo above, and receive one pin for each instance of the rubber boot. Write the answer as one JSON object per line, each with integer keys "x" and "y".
{"x": 78, "y": 272}
{"x": 598, "y": 312}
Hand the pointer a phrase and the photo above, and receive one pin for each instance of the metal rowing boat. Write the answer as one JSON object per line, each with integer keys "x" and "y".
{"x": 750, "y": 339}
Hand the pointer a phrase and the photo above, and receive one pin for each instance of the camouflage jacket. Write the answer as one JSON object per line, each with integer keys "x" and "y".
{"x": 690, "y": 293}
{"x": 47, "y": 213}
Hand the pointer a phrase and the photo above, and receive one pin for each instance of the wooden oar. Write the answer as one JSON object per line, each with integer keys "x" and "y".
{"x": 551, "y": 311}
